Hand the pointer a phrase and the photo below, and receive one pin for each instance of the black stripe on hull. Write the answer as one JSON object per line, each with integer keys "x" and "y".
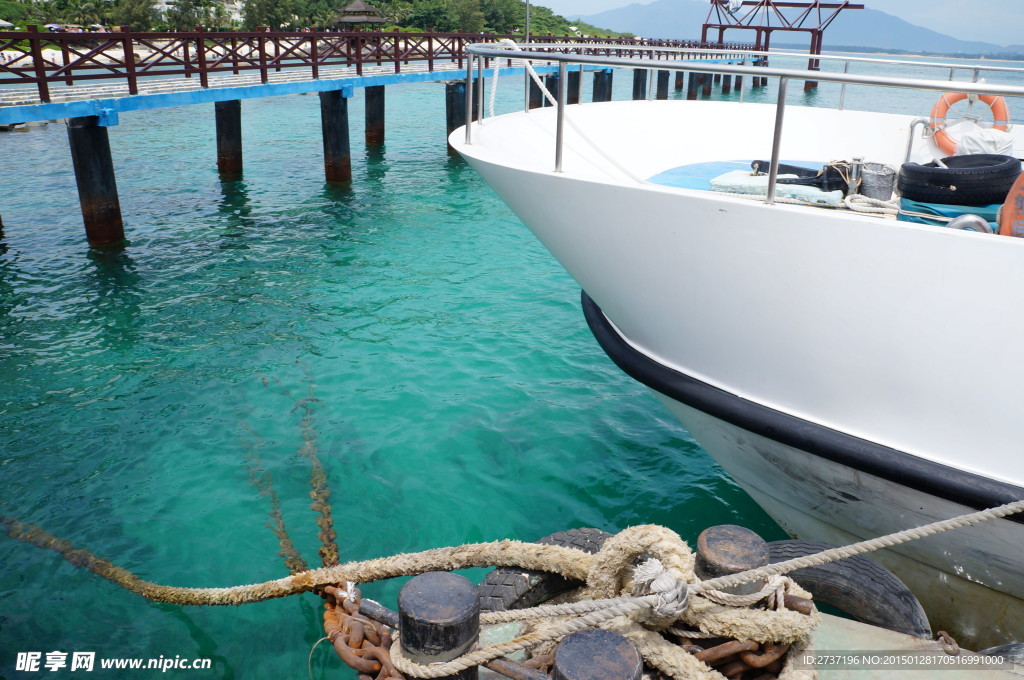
{"x": 890, "y": 464}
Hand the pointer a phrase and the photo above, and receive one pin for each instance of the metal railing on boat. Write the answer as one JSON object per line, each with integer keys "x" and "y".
{"x": 568, "y": 53}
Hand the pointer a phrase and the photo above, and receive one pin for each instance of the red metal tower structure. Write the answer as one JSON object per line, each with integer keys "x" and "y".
{"x": 766, "y": 16}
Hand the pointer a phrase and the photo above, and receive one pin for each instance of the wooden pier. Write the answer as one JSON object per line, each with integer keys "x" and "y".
{"x": 90, "y": 79}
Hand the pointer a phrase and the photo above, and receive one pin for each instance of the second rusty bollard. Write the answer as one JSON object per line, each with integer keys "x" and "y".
{"x": 596, "y": 654}
{"x": 730, "y": 549}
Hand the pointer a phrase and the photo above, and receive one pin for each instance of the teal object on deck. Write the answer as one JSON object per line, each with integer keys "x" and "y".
{"x": 986, "y": 212}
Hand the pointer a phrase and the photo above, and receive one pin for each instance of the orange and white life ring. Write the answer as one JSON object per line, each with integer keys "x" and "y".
{"x": 943, "y": 139}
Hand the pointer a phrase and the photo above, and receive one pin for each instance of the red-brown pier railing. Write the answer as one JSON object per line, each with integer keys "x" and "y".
{"x": 43, "y": 59}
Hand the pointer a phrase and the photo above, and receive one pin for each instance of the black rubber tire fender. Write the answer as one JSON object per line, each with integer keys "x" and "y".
{"x": 858, "y": 586}
{"x": 505, "y": 588}
{"x": 975, "y": 179}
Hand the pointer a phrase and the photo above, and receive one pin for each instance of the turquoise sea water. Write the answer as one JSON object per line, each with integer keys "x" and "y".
{"x": 455, "y": 391}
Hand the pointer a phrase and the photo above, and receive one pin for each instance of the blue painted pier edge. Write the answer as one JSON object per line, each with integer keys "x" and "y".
{"x": 108, "y": 109}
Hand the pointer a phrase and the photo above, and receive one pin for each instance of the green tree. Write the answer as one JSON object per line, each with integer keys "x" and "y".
{"x": 503, "y": 16}
{"x": 14, "y": 12}
{"x": 138, "y": 15}
{"x": 431, "y": 15}
{"x": 466, "y": 15}
{"x": 83, "y": 12}
{"x": 184, "y": 15}
{"x": 270, "y": 13}
{"x": 397, "y": 11}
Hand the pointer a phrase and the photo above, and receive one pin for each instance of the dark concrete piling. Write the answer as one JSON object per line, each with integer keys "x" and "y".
{"x": 551, "y": 83}
{"x": 575, "y": 87}
{"x": 228, "y": 117}
{"x": 439, "y": 619}
{"x": 640, "y": 83}
{"x": 603, "y": 85}
{"x": 726, "y": 84}
{"x": 706, "y": 84}
{"x": 97, "y": 186}
{"x": 536, "y": 96}
{"x": 374, "y": 115}
{"x": 595, "y": 654}
{"x": 680, "y": 81}
{"x": 692, "y": 83}
{"x": 337, "y": 150}
{"x": 454, "y": 105}
{"x": 663, "y": 78}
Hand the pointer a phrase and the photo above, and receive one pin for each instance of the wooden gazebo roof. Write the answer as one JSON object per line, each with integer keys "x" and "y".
{"x": 359, "y": 12}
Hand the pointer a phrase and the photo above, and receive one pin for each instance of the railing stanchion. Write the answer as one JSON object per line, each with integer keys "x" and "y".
{"x": 314, "y": 55}
{"x": 469, "y": 100}
{"x": 36, "y": 50}
{"x": 773, "y": 170}
{"x": 739, "y": 80}
{"x": 204, "y": 79}
{"x": 480, "y": 88}
{"x": 842, "y": 92}
{"x": 262, "y": 41}
{"x": 563, "y": 89}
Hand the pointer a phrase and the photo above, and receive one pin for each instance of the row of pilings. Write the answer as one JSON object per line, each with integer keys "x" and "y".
{"x": 97, "y": 185}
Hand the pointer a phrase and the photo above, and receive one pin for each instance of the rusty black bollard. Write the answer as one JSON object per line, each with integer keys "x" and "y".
{"x": 439, "y": 619}
{"x": 595, "y": 654}
{"x": 730, "y": 549}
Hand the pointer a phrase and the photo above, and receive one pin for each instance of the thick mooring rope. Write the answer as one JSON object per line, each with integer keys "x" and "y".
{"x": 571, "y": 563}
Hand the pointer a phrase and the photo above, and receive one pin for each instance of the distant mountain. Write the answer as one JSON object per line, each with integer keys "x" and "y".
{"x": 865, "y": 28}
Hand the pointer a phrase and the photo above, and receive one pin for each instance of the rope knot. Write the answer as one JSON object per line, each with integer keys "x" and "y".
{"x": 651, "y": 578}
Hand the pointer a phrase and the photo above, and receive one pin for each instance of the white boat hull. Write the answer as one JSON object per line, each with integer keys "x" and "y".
{"x": 889, "y": 339}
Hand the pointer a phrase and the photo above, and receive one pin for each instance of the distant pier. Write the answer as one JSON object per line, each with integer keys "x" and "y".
{"x": 90, "y": 79}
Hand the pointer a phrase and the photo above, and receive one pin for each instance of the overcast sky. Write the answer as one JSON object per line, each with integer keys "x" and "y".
{"x": 996, "y": 21}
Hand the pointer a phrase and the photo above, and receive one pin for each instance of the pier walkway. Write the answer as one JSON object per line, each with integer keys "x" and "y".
{"x": 89, "y": 79}
{"x": 22, "y": 104}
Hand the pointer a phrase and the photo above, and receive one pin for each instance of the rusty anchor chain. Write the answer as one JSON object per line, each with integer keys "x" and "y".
{"x": 360, "y": 642}
{"x": 744, "y": 659}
